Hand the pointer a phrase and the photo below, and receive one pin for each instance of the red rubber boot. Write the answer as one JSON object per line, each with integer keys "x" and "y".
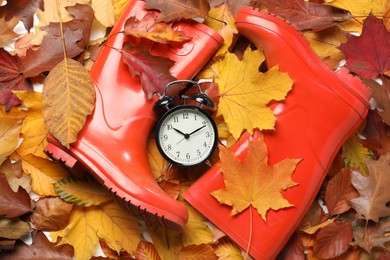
{"x": 112, "y": 144}
{"x": 320, "y": 112}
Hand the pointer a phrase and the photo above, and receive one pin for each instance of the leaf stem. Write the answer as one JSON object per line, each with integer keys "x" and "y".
{"x": 250, "y": 231}
{"x": 61, "y": 28}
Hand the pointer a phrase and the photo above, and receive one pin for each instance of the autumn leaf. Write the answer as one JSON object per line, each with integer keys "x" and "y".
{"x": 13, "y": 204}
{"x": 146, "y": 251}
{"x": 167, "y": 242}
{"x": 104, "y": 12}
{"x": 252, "y": 182}
{"x": 22, "y": 9}
{"x": 226, "y": 249}
{"x": 148, "y": 28}
{"x": 10, "y": 79}
{"x": 67, "y": 99}
{"x": 373, "y": 190}
{"x": 198, "y": 252}
{"x": 15, "y": 177}
{"x": 43, "y": 174}
{"x": 223, "y": 13}
{"x": 10, "y": 128}
{"x": 245, "y": 92}
{"x": 333, "y": 240}
{"x": 305, "y": 15}
{"x": 107, "y": 221}
{"x": 13, "y": 228}
{"x": 177, "y": 9}
{"x": 51, "y": 214}
{"x": 7, "y": 30}
{"x": 380, "y": 92}
{"x": 82, "y": 191}
{"x": 376, "y": 133}
{"x": 368, "y": 55}
{"x": 119, "y": 6}
{"x": 354, "y": 154}
{"x": 41, "y": 248}
{"x": 339, "y": 191}
{"x": 369, "y": 235}
{"x": 34, "y": 130}
{"x": 152, "y": 70}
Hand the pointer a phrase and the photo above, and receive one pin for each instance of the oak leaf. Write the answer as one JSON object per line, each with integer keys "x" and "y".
{"x": 22, "y": 9}
{"x": 108, "y": 221}
{"x": 252, "y": 182}
{"x": 245, "y": 92}
{"x": 41, "y": 248}
{"x": 305, "y": 15}
{"x": 177, "y": 9}
{"x": 148, "y": 28}
{"x": 339, "y": 191}
{"x": 333, "y": 240}
{"x": 51, "y": 214}
{"x": 10, "y": 128}
{"x": 13, "y": 204}
{"x": 223, "y": 13}
{"x": 152, "y": 70}
{"x": 373, "y": 190}
{"x": 368, "y": 55}
{"x": 68, "y": 97}
{"x": 82, "y": 191}
{"x": 43, "y": 174}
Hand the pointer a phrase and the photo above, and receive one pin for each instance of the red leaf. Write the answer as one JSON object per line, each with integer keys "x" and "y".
{"x": 306, "y": 15}
{"x": 10, "y": 79}
{"x": 368, "y": 55}
{"x": 23, "y": 9}
{"x": 153, "y": 70}
{"x": 376, "y": 133}
{"x": 333, "y": 240}
{"x": 13, "y": 204}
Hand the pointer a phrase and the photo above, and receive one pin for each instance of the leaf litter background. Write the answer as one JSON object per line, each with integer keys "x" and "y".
{"x": 39, "y": 196}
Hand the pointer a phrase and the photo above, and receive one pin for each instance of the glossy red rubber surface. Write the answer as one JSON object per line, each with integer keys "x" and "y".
{"x": 322, "y": 110}
{"x": 112, "y": 144}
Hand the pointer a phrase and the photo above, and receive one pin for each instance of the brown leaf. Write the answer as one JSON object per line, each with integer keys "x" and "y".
{"x": 7, "y": 29}
{"x": 13, "y": 204}
{"x": 67, "y": 99}
{"x": 306, "y": 15}
{"x": 153, "y": 70}
{"x": 381, "y": 95}
{"x": 333, "y": 240}
{"x": 51, "y": 214}
{"x": 373, "y": 189}
{"x": 376, "y": 133}
{"x": 294, "y": 250}
{"x": 13, "y": 228}
{"x": 339, "y": 191}
{"x": 148, "y": 28}
{"x": 197, "y": 252}
{"x": 146, "y": 251}
{"x": 22, "y": 9}
{"x": 369, "y": 235}
{"x": 15, "y": 177}
{"x": 10, "y": 79}
{"x": 177, "y": 9}
{"x": 313, "y": 217}
{"x": 41, "y": 248}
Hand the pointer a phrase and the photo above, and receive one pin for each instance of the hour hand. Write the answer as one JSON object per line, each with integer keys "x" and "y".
{"x": 186, "y": 136}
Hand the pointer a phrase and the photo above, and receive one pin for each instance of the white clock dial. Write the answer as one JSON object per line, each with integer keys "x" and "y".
{"x": 186, "y": 135}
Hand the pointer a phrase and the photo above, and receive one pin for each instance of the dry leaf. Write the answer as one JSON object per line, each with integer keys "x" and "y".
{"x": 146, "y": 251}
{"x": 226, "y": 249}
{"x": 197, "y": 252}
{"x": 167, "y": 242}
{"x": 83, "y": 192}
{"x": 252, "y": 182}
{"x": 9, "y": 136}
{"x": 13, "y": 228}
{"x": 7, "y": 29}
{"x": 104, "y": 12}
{"x": 245, "y": 92}
{"x": 67, "y": 99}
{"x": 15, "y": 177}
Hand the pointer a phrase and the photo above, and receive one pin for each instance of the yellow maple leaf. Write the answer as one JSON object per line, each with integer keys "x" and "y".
{"x": 34, "y": 130}
{"x": 227, "y": 31}
{"x": 361, "y": 9}
{"x": 245, "y": 92}
{"x": 108, "y": 221}
{"x": 252, "y": 182}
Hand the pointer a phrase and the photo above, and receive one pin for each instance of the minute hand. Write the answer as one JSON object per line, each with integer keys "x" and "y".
{"x": 196, "y": 130}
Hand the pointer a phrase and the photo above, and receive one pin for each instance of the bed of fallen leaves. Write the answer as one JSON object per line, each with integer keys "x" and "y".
{"x": 47, "y": 213}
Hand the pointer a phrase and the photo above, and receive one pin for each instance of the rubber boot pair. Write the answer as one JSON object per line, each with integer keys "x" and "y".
{"x": 112, "y": 144}
{"x": 320, "y": 112}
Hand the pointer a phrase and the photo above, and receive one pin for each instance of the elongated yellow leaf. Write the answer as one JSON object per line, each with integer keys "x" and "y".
{"x": 107, "y": 221}
{"x": 9, "y": 135}
{"x": 104, "y": 12}
{"x": 43, "y": 174}
{"x": 67, "y": 99}
{"x": 167, "y": 242}
{"x": 83, "y": 192}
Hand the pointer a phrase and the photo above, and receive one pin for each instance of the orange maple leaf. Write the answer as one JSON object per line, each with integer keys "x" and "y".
{"x": 252, "y": 181}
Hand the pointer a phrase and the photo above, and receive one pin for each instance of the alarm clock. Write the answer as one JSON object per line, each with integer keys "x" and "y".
{"x": 186, "y": 135}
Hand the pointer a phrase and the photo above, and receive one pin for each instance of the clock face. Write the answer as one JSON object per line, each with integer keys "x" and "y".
{"x": 186, "y": 135}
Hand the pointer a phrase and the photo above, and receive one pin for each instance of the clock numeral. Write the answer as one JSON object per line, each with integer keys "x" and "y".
{"x": 175, "y": 119}
{"x": 169, "y": 127}
{"x": 198, "y": 152}
{"x": 205, "y": 144}
{"x": 207, "y": 134}
{"x": 204, "y": 123}
{"x": 177, "y": 154}
{"x": 185, "y": 116}
{"x": 188, "y": 156}
{"x": 169, "y": 147}
{"x": 195, "y": 117}
{"x": 165, "y": 137}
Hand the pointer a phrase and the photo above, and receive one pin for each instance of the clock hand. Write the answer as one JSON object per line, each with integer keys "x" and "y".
{"x": 186, "y": 136}
{"x": 196, "y": 130}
